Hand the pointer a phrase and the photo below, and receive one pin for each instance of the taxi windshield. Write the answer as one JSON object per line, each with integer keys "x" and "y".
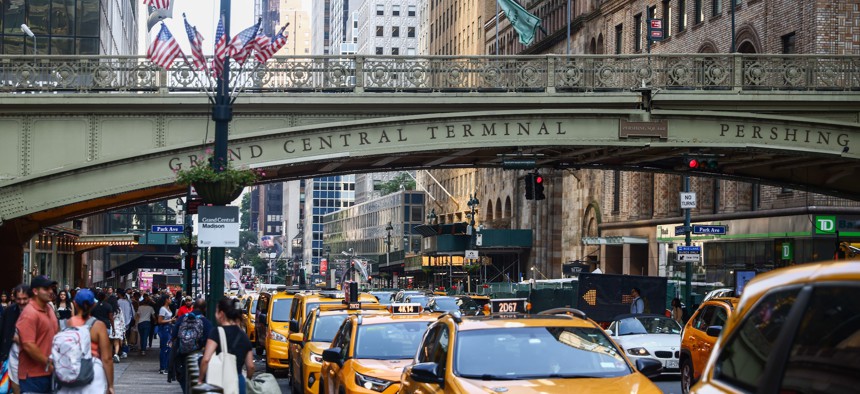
{"x": 648, "y": 325}
{"x": 311, "y": 305}
{"x": 418, "y": 300}
{"x": 389, "y": 341}
{"x": 446, "y": 304}
{"x": 326, "y": 327}
{"x": 281, "y": 310}
{"x": 537, "y": 353}
{"x": 254, "y": 306}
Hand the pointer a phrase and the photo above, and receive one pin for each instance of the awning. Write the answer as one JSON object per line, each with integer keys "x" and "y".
{"x": 618, "y": 240}
{"x": 149, "y": 262}
{"x": 95, "y": 241}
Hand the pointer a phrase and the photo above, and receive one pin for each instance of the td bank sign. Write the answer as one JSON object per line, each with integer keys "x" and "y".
{"x": 832, "y": 224}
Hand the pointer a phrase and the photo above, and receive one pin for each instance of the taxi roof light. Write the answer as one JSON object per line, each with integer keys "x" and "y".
{"x": 405, "y": 308}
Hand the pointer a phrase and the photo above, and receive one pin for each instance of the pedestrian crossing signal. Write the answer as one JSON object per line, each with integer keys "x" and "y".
{"x": 534, "y": 186}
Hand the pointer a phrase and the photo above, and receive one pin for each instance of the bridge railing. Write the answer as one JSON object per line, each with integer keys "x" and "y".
{"x": 359, "y": 74}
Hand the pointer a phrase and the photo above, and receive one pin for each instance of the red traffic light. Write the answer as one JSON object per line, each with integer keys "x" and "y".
{"x": 693, "y": 163}
{"x": 538, "y": 179}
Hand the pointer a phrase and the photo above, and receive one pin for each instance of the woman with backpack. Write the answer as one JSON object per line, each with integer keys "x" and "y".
{"x": 99, "y": 346}
{"x": 237, "y": 342}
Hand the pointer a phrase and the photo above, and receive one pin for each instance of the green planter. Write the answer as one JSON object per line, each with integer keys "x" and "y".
{"x": 218, "y": 193}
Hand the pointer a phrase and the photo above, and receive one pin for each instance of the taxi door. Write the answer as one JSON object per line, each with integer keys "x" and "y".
{"x": 434, "y": 349}
{"x": 296, "y": 353}
{"x": 335, "y": 374}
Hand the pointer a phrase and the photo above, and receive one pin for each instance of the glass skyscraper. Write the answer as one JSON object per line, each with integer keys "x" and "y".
{"x": 323, "y": 195}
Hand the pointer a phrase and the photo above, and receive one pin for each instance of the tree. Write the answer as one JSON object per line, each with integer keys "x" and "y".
{"x": 247, "y": 248}
{"x": 392, "y": 186}
{"x": 245, "y": 212}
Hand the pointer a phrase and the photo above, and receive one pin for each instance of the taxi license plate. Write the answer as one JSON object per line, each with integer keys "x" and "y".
{"x": 672, "y": 364}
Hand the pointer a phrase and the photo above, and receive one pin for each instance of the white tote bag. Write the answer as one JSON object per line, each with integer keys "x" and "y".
{"x": 222, "y": 368}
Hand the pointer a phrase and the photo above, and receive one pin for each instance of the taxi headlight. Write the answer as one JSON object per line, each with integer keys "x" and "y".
{"x": 316, "y": 358}
{"x": 276, "y": 336}
{"x": 372, "y": 383}
{"x": 638, "y": 351}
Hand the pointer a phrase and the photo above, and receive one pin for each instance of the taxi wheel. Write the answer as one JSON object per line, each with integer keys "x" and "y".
{"x": 259, "y": 351}
{"x": 686, "y": 376}
{"x": 295, "y": 382}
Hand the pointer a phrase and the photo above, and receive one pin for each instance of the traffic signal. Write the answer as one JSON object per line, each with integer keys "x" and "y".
{"x": 529, "y": 181}
{"x": 701, "y": 163}
{"x": 539, "y": 187}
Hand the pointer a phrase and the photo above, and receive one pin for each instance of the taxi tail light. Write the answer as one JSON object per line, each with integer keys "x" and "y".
{"x": 528, "y": 306}
{"x": 486, "y": 309}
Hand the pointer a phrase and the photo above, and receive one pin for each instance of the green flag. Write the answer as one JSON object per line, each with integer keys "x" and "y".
{"x": 523, "y": 22}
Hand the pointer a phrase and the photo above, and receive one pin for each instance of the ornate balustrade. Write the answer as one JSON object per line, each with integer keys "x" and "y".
{"x": 358, "y": 74}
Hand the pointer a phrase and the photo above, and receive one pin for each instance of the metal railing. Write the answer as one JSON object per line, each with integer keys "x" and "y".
{"x": 360, "y": 74}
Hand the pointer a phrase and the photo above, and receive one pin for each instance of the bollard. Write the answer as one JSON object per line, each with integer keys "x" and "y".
{"x": 192, "y": 371}
{"x": 206, "y": 388}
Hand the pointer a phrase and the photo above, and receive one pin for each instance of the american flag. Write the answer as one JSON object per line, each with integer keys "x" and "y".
{"x": 266, "y": 52}
{"x": 240, "y": 41}
{"x": 164, "y": 49}
{"x": 157, "y": 3}
{"x": 220, "y": 49}
{"x": 257, "y": 44}
{"x": 196, "y": 40}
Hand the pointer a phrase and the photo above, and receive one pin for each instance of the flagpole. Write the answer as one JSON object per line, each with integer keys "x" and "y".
{"x": 222, "y": 114}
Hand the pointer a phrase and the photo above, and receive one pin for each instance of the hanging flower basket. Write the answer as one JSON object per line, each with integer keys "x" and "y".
{"x": 218, "y": 192}
{"x": 217, "y": 187}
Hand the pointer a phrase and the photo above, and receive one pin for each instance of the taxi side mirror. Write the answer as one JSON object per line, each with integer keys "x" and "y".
{"x": 714, "y": 331}
{"x": 649, "y": 367}
{"x": 332, "y": 355}
{"x": 609, "y": 332}
{"x": 296, "y": 337}
{"x": 263, "y": 318}
{"x": 294, "y": 326}
{"x": 427, "y": 373}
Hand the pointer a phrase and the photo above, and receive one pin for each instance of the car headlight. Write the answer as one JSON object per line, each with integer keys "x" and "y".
{"x": 316, "y": 358}
{"x": 372, "y": 383}
{"x": 277, "y": 336}
{"x": 638, "y": 351}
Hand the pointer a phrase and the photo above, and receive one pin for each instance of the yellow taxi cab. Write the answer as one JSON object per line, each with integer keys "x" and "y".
{"x": 795, "y": 330}
{"x": 260, "y": 310}
{"x": 556, "y": 351}
{"x": 697, "y": 341}
{"x": 276, "y": 328}
{"x": 319, "y": 329}
{"x": 369, "y": 352}
{"x": 249, "y": 306}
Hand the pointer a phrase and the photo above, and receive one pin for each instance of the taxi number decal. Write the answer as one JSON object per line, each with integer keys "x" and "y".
{"x": 406, "y": 309}
{"x": 507, "y": 307}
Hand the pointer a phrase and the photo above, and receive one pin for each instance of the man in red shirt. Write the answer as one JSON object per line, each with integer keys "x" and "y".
{"x": 187, "y": 306}
{"x": 36, "y": 328}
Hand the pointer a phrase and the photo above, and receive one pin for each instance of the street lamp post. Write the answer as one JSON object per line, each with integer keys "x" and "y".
{"x": 473, "y": 205}
{"x": 388, "y": 228}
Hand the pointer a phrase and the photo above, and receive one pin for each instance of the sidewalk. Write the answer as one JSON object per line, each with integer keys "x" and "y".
{"x": 139, "y": 374}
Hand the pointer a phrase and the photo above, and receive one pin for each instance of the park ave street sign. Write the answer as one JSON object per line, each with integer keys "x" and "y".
{"x": 218, "y": 227}
{"x": 167, "y": 229}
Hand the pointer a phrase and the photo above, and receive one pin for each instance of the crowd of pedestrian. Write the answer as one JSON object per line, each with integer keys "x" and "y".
{"x": 114, "y": 322}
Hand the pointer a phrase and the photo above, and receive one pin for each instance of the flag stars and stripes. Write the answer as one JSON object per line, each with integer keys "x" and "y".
{"x": 164, "y": 49}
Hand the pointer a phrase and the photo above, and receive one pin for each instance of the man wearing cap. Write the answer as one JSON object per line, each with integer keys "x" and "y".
{"x": 187, "y": 306}
{"x": 36, "y": 328}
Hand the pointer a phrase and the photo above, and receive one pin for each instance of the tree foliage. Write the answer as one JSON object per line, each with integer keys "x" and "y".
{"x": 245, "y": 212}
{"x": 394, "y": 184}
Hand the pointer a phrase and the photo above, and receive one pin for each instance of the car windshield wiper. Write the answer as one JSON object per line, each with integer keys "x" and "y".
{"x": 491, "y": 377}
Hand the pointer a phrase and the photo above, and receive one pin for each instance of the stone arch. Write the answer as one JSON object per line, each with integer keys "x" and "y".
{"x": 508, "y": 207}
{"x": 747, "y": 40}
{"x": 599, "y": 44}
{"x": 708, "y": 46}
{"x": 499, "y": 208}
{"x": 592, "y": 47}
{"x": 489, "y": 210}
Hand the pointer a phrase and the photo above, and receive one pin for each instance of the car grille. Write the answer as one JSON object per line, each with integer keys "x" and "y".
{"x": 663, "y": 354}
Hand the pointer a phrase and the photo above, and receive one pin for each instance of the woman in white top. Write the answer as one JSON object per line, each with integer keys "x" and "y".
{"x": 165, "y": 326}
{"x": 65, "y": 308}
{"x": 144, "y": 324}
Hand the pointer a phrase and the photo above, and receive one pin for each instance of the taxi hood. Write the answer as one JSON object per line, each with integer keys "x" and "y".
{"x": 382, "y": 369}
{"x": 633, "y": 383}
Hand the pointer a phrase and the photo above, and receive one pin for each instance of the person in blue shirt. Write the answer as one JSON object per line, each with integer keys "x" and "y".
{"x": 176, "y": 370}
{"x": 638, "y": 304}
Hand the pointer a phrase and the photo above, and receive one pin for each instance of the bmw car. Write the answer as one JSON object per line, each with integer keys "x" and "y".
{"x": 648, "y": 336}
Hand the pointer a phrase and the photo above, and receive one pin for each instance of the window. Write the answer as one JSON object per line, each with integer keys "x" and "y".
{"x": 410, "y": 51}
{"x": 380, "y": 31}
{"x": 826, "y": 341}
{"x": 395, "y": 51}
{"x": 682, "y": 15}
{"x": 698, "y": 11}
{"x": 380, "y": 9}
{"x": 716, "y": 7}
{"x": 789, "y": 43}
{"x": 395, "y": 10}
{"x": 667, "y": 19}
{"x": 619, "y": 31}
{"x": 395, "y": 31}
{"x": 616, "y": 192}
{"x": 410, "y": 32}
{"x": 652, "y": 12}
{"x": 637, "y": 32}
{"x": 379, "y": 50}
{"x": 410, "y": 10}
{"x": 742, "y": 360}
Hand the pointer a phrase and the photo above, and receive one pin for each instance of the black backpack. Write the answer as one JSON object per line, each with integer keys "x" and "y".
{"x": 190, "y": 333}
